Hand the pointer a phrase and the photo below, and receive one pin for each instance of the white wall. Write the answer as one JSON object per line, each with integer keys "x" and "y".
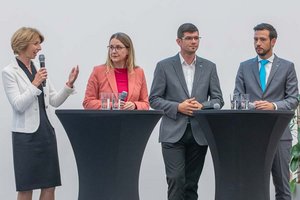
{"x": 77, "y": 32}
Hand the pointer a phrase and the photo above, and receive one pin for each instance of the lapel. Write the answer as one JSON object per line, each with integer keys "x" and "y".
{"x": 20, "y": 72}
{"x": 179, "y": 72}
{"x": 255, "y": 70}
{"x": 198, "y": 74}
{"x": 131, "y": 83}
{"x": 275, "y": 66}
{"x": 110, "y": 75}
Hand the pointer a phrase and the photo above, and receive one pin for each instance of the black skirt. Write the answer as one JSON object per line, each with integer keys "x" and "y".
{"x": 35, "y": 159}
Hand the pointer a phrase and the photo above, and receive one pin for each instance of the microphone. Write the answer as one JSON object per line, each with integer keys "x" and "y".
{"x": 42, "y": 64}
{"x": 123, "y": 96}
{"x": 215, "y": 106}
{"x": 251, "y": 106}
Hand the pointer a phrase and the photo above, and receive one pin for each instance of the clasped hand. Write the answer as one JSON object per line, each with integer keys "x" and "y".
{"x": 263, "y": 105}
{"x": 188, "y": 106}
{"x": 128, "y": 105}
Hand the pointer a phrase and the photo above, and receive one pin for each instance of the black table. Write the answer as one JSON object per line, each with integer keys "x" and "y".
{"x": 108, "y": 148}
{"x": 243, "y": 145}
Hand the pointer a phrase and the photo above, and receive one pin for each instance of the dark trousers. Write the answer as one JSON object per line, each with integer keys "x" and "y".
{"x": 281, "y": 170}
{"x": 184, "y": 162}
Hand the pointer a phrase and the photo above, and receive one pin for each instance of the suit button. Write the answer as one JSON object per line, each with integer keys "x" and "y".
{"x": 46, "y": 107}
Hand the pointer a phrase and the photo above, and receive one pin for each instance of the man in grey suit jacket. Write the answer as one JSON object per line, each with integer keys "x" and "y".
{"x": 280, "y": 93}
{"x": 182, "y": 84}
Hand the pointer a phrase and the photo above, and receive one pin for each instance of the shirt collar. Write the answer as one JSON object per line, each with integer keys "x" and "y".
{"x": 182, "y": 61}
{"x": 271, "y": 59}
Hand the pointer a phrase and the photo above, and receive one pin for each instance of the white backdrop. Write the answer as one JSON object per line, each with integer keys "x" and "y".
{"x": 77, "y": 32}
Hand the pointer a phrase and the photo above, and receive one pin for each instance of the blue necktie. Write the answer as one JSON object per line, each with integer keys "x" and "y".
{"x": 262, "y": 74}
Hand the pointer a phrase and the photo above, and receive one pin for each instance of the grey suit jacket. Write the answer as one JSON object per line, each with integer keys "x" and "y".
{"x": 281, "y": 88}
{"x": 169, "y": 89}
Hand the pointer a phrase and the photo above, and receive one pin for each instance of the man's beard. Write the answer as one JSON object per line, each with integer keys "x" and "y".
{"x": 263, "y": 53}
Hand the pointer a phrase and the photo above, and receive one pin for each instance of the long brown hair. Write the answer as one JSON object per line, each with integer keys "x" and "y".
{"x": 125, "y": 39}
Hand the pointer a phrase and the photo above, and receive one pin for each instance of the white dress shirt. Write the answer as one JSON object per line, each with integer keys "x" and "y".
{"x": 188, "y": 72}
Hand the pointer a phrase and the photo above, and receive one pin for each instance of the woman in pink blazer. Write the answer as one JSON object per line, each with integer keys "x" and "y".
{"x": 118, "y": 74}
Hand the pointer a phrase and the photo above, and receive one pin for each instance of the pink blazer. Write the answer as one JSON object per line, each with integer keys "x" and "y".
{"x": 103, "y": 79}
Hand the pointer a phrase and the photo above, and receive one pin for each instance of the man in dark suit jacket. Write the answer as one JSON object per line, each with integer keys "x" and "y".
{"x": 182, "y": 84}
{"x": 280, "y": 93}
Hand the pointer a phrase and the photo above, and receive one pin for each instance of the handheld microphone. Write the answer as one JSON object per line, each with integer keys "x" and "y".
{"x": 251, "y": 106}
{"x": 123, "y": 96}
{"x": 42, "y": 64}
{"x": 215, "y": 106}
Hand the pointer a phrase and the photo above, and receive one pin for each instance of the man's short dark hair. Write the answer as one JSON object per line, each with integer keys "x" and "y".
{"x": 186, "y": 27}
{"x": 269, "y": 27}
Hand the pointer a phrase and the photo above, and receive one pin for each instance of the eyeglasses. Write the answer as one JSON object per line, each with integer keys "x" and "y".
{"x": 117, "y": 48}
{"x": 189, "y": 38}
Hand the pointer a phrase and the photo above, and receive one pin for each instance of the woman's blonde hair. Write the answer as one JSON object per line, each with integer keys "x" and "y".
{"x": 23, "y": 37}
{"x": 125, "y": 39}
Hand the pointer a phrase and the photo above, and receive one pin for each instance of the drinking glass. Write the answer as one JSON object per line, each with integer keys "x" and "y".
{"x": 105, "y": 99}
{"x": 116, "y": 102}
{"x": 245, "y": 101}
{"x": 234, "y": 101}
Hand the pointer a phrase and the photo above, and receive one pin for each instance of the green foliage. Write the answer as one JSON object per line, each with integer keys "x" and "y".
{"x": 295, "y": 152}
{"x": 295, "y": 157}
{"x": 293, "y": 185}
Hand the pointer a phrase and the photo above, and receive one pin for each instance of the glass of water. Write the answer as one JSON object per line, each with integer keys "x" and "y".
{"x": 245, "y": 101}
{"x": 105, "y": 99}
{"x": 234, "y": 101}
{"x": 116, "y": 102}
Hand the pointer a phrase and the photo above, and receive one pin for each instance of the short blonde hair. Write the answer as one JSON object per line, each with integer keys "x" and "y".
{"x": 125, "y": 39}
{"x": 23, "y": 37}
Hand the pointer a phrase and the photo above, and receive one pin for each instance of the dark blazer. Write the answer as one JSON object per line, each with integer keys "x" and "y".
{"x": 281, "y": 88}
{"x": 169, "y": 89}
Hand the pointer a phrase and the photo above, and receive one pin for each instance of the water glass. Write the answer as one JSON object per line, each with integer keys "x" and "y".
{"x": 245, "y": 101}
{"x": 105, "y": 99}
{"x": 116, "y": 102}
{"x": 234, "y": 101}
